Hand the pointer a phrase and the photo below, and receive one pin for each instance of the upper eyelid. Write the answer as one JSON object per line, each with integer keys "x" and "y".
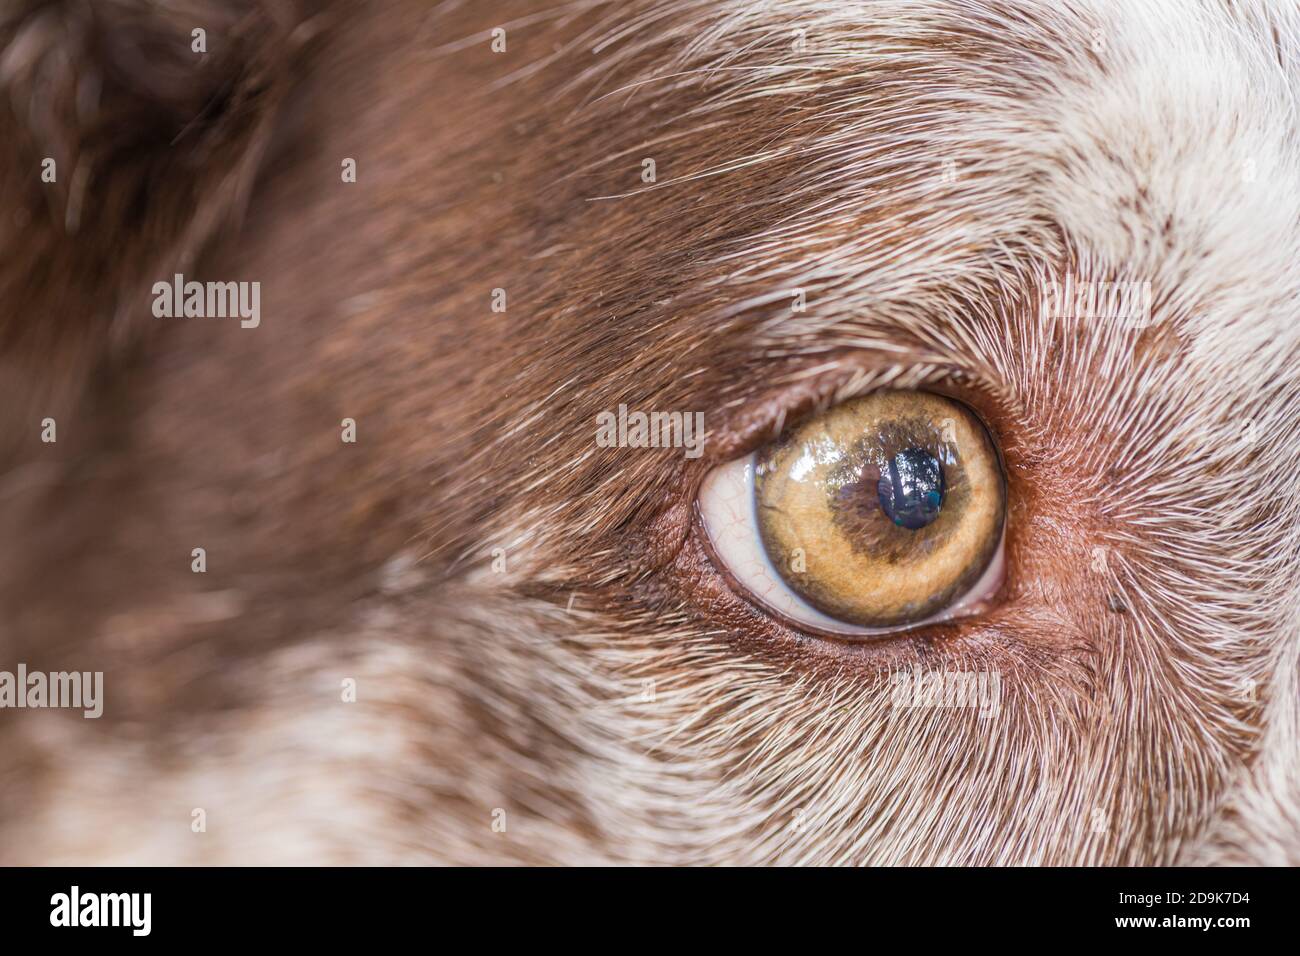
{"x": 851, "y": 375}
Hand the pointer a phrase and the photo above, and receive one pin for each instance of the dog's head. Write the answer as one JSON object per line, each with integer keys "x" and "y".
{"x": 476, "y": 633}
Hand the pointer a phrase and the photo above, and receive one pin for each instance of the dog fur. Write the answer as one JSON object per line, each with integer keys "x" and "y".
{"x": 922, "y": 169}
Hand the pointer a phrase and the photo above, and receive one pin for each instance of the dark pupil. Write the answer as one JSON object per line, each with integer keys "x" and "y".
{"x": 911, "y": 491}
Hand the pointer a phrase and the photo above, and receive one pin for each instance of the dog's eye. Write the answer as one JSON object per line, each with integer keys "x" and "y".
{"x": 880, "y": 514}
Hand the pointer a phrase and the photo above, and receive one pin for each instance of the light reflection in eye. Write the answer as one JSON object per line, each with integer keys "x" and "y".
{"x": 823, "y": 452}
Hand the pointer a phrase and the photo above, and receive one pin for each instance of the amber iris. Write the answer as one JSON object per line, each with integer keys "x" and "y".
{"x": 882, "y": 510}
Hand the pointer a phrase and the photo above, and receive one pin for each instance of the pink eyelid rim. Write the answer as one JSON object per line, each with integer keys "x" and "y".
{"x": 726, "y": 502}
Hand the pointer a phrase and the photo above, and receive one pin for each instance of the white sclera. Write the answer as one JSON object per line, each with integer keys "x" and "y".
{"x": 731, "y": 521}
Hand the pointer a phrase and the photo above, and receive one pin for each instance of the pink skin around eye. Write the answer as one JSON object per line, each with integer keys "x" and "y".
{"x": 726, "y": 503}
